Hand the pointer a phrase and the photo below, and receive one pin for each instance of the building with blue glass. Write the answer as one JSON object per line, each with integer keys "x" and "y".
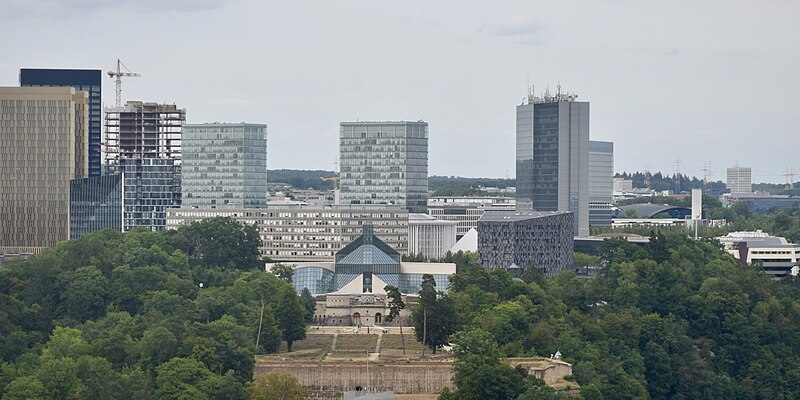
{"x": 552, "y": 150}
{"x": 87, "y": 80}
{"x": 384, "y": 162}
{"x": 367, "y": 265}
{"x": 95, "y": 203}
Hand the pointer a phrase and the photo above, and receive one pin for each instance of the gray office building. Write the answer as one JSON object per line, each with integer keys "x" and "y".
{"x": 553, "y": 156}
{"x": 517, "y": 239}
{"x": 384, "y": 163}
{"x": 224, "y": 165}
{"x": 601, "y": 183}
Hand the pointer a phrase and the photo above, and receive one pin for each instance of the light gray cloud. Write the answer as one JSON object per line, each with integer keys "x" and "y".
{"x": 69, "y": 8}
{"x": 519, "y": 25}
{"x": 233, "y": 101}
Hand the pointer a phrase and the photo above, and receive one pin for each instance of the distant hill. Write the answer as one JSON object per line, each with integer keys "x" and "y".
{"x": 301, "y": 178}
{"x": 441, "y": 185}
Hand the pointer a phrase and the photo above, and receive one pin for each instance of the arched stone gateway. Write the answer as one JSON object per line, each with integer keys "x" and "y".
{"x": 356, "y": 319}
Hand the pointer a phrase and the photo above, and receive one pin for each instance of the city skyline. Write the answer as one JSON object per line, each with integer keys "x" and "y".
{"x": 709, "y": 82}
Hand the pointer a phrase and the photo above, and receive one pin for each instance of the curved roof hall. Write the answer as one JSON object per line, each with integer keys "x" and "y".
{"x": 648, "y": 210}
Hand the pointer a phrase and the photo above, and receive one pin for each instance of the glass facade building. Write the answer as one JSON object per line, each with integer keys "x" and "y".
{"x": 552, "y": 154}
{"x": 601, "y": 183}
{"x": 95, "y": 203}
{"x": 224, "y": 165}
{"x": 43, "y": 145}
{"x": 372, "y": 261}
{"x": 317, "y": 280}
{"x": 384, "y": 163}
{"x": 87, "y": 80}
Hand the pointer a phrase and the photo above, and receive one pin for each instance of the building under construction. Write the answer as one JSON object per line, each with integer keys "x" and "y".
{"x": 143, "y": 142}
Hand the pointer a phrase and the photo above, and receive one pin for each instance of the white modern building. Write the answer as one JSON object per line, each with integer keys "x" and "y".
{"x": 384, "y": 162}
{"x": 552, "y": 152}
{"x": 739, "y": 180}
{"x": 308, "y": 233}
{"x": 773, "y": 254}
{"x": 466, "y": 211}
{"x": 224, "y": 165}
{"x": 430, "y": 237}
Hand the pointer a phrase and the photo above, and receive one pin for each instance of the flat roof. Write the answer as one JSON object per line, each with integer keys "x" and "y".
{"x": 502, "y": 216}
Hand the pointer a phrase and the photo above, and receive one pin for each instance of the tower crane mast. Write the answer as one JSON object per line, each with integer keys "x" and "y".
{"x": 118, "y": 74}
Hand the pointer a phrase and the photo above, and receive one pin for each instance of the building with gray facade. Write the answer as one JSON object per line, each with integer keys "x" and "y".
{"x": 517, "y": 239}
{"x": 552, "y": 149}
{"x": 224, "y": 165}
{"x": 601, "y": 183}
{"x": 95, "y": 203}
{"x": 739, "y": 180}
{"x": 307, "y": 233}
{"x": 384, "y": 162}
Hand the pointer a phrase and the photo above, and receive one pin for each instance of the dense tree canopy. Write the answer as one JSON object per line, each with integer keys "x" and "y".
{"x": 142, "y": 315}
{"x": 677, "y": 319}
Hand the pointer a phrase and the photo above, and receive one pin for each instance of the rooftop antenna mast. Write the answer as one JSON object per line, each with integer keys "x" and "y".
{"x": 118, "y": 74}
{"x": 789, "y": 178}
{"x": 706, "y": 170}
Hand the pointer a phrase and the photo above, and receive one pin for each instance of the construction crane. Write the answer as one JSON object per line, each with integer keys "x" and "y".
{"x": 334, "y": 179}
{"x": 118, "y": 74}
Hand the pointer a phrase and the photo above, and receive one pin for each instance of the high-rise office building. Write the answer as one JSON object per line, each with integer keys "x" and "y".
{"x": 384, "y": 163}
{"x": 601, "y": 183}
{"x": 87, "y": 80}
{"x": 553, "y": 156}
{"x": 43, "y": 145}
{"x": 740, "y": 180}
{"x": 224, "y": 165}
{"x": 143, "y": 141}
{"x": 95, "y": 203}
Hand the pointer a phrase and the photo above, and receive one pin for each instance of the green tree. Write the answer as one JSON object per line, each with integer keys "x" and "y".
{"x": 283, "y": 271}
{"x": 291, "y": 316}
{"x": 26, "y": 388}
{"x": 309, "y": 303}
{"x": 396, "y": 305}
{"x": 222, "y": 242}
{"x": 434, "y": 321}
{"x": 185, "y": 378}
{"x": 478, "y": 372}
{"x": 276, "y": 386}
{"x": 427, "y": 299}
{"x": 86, "y": 293}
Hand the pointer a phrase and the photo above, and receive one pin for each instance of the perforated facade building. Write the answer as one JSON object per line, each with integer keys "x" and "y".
{"x": 513, "y": 239}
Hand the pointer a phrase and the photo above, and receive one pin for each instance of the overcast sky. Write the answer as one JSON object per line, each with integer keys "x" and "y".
{"x": 699, "y": 81}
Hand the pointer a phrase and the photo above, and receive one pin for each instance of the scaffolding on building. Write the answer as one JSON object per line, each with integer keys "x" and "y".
{"x": 143, "y": 141}
{"x": 142, "y": 130}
